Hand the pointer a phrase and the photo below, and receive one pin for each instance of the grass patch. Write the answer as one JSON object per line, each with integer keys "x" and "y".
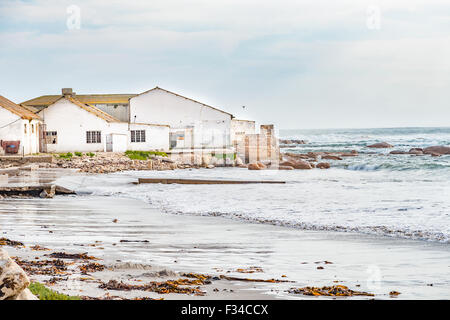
{"x": 79, "y": 154}
{"x": 143, "y": 155}
{"x": 67, "y": 155}
{"x": 224, "y": 156}
{"x": 44, "y": 293}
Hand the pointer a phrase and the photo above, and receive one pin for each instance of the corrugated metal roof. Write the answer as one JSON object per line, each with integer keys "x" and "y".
{"x": 84, "y": 98}
{"x": 16, "y": 109}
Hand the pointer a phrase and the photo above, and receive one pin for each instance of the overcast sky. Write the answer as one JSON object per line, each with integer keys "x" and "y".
{"x": 298, "y": 64}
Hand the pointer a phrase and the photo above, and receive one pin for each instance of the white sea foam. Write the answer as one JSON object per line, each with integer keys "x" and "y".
{"x": 402, "y": 196}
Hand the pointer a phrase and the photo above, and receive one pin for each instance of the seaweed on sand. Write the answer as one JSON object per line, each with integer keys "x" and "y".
{"x": 335, "y": 291}
{"x": 163, "y": 287}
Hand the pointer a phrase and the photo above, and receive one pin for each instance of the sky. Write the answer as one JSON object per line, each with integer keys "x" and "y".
{"x": 297, "y": 64}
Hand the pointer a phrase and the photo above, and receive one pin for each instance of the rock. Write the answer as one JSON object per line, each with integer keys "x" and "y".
{"x": 415, "y": 151}
{"x": 253, "y": 166}
{"x": 303, "y": 165}
{"x": 239, "y": 161}
{"x": 242, "y": 166}
{"x": 261, "y": 165}
{"x": 331, "y": 157}
{"x": 13, "y": 280}
{"x": 433, "y": 154}
{"x": 26, "y": 295}
{"x": 285, "y": 168}
{"x": 398, "y": 152}
{"x": 48, "y": 192}
{"x": 289, "y": 141}
{"x": 43, "y": 194}
{"x": 323, "y": 165}
{"x": 297, "y": 155}
{"x": 380, "y": 145}
{"x": 437, "y": 149}
{"x": 287, "y": 163}
{"x": 210, "y": 166}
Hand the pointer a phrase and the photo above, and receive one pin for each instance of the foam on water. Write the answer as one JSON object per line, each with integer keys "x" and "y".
{"x": 390, "y": 195}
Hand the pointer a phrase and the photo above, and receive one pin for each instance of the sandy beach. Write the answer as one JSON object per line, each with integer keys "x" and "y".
{"x": 145, "y": 244}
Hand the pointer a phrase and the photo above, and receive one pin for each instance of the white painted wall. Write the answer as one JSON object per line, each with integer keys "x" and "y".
{"x": 71, "y": 123}
{"x": 239, "y": 128}
{"x": 156, "y": 138}
{"x": 211, "y": 127}
{"x": 12, "y": 129}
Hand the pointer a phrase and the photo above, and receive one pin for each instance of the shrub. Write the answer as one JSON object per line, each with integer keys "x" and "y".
{"x": 44, "y": 293}
{"x": 67, "y": 155}
{"x": 143, "y": 155}
{"x": 90, "y": 154}
{"x": 79, "y": 154}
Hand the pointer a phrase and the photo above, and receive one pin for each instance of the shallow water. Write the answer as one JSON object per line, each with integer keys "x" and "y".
{"x": 404, "y": 205}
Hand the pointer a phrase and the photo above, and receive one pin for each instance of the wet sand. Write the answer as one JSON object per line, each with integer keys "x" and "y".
{"x": 218, "y": 246}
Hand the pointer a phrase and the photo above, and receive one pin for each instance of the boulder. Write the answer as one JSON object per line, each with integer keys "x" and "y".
{"x": 380, "y": 145}
{"x": 48, "y": 192}
{"x": 253, "y": 166}
{"x": 261, "y": 165}
{"x": 26, "y": 295}
{"x": 331, "y": 157}
{"x": 13, "y": 280}
{"x": 437, "y": 149}
{"x": 285, "y": 168}
{"x": 352, "y": 153}
{"x": 303, "y": 165}
{"x": 239, "y": 161}
{"x": 433, "y": 154}
{"x": 398, "y": 152}
{"x": 415, "y": 151}
{"x": 287, "y": 163}
{"x": 323, "y": 165}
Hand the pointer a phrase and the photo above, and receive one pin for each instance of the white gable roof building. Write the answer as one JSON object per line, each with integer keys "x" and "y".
{"x": 18, "y": 126}
{"x": 193, "y": 124}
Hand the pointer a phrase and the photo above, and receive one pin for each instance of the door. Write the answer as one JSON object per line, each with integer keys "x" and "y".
{"x": 42, "y": 138}
{"x": 109, "y": 143}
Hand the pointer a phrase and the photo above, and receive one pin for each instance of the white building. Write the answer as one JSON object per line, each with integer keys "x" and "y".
{"x": 18, "y": 124}
{"x": 73, "y": 126}
{"x": 193, "y": 124}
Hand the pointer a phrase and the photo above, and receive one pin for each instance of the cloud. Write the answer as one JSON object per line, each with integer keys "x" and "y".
{"x": 315, "y": 61}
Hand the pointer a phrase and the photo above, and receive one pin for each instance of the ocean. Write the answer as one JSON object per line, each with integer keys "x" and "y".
{"x": 403, "y": 196}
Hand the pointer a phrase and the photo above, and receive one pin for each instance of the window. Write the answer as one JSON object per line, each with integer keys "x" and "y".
{"x": 51, "y": 137}
{"x": 25, "y": 128}
{"x": 93, "y": 136}
{"x": 137, "y": 135}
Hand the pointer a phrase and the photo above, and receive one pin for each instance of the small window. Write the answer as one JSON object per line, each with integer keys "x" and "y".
{"x": 137, "y": 135}
{"x": 93, "y": 136}
{"x": 51, "y": 137}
